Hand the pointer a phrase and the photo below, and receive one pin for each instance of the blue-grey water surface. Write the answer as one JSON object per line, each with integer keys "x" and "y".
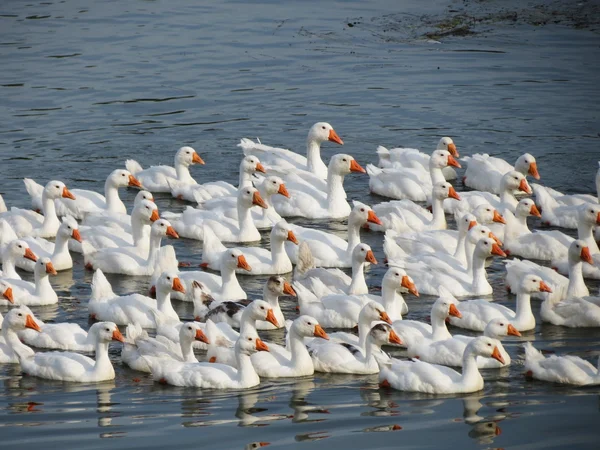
{"x": 87, "y": 84}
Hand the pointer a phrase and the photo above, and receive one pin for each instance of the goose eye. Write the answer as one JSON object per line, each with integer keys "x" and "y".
{"x": 189, "y": 328}
{"x": 274, "y": 182}
{"x": 122, "y": 174}
{"x": 345, "y": 160}
{"x": 323, "y": 127}
{"x": 249, "y": 339}
{"x": 362, "y": 209}
{"x": 107, "y": 329}
{"x": 278, "y": 282}
{"x": 57, "y": 187}
{"x": 489, "y": 345}
{"x": 168, "y": 278}
{"x": 20, "y": 315}
{"x": 397, "y": 274}
{"x": 20, "y": 246}
{"x": 147, "y": 207}
{"x": 262, "y": 307}
{"x": 162, "y": 224}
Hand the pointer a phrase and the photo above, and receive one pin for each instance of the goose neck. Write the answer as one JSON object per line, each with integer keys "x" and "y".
{"x": 163, "y": 303}
{"x": 246, "y": 374}
{"x": 279, "y": 256}
{"x": 437, "y": 176}
{"x": 49, "y": 210}
{"x": 335, "y": 189}
{"x": 438, "y": 220}
{"x": 103, "y": 363}
{"x": 12, "y": 339}
{"x": 187, "y": 350}
{"x": 314, "y": 163}
{"x": 358, "y": 285}
{"x": 439, "y": 330}
{"x": 245, "y": 219}
{"x": 42, "y": 283}
{"x": 183, "y": 172}
{"x": 460, "y": 253}
{"x": 470, "y": 371}
{"x": 392, "y": 302}
{"x": 230, "y": 284}
{"x": 299, "y": 353}
{"x": 523, "y": 314}
{"x": 353, "y": 235}
{"x": 585, "y": 232}
{"x": 113, "y": 201}
{"x": 8, "y": 266}
{"x": 480, "y": 282}
{"x": 577, "y": 287}
{"x": 155, "y": 241}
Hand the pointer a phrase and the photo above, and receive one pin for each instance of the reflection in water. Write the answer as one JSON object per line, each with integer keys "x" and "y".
{"x": 255, "y": 445}
{"x": 302, "y": 408}
{"x": 483, "y": 430}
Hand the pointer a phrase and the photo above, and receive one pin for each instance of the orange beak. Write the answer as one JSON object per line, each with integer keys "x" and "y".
{"x": 31, "y": 323}
{"x": 472, "y": 223}
{"x": 75, "y": 235}
{"x": 258, "y": 201}
{"x": 370, "y": 257}
{"x": 495, "y": 238}
{"x": 452, "y": 193}
{"x": 292, "y": 237}
{"x": 320, "y": 332}
{"x": 200, "y": 336}
{"x": 117, "y": 336}
{"x": 177, "y": 286}
{"x": 50, "y": 269}
{"x": 523, "y": 186}
{"x": 452, "y": 161}
{"x": 261, "y": 346}
{"x": 134, "y": 182}
{"x": 8, "y": 295}
{"x": 288, "y": 289}
{"x": 598, "y": 219}
{"x": 283, "y": 191}
{"x": 154, "y": 216}
{"x": 406, "y": 283}
{"x": 271, "y": 318}
{"x": 384, "y": 316}
{"x": 497, "y": 356}
{"x": 333, "y": 137}
{"x": 394, "y": 338}
{"x": 453, "y": 311}
{"x": 498, "y": 217}
{"x": 512, "y": 331}
{"x": 534, "y": 211}
{"x": 196, "y": 159}
{"x": 30, "y": 255}
{"x": 586, "y": 255}
{"x": 453, "y": 150}
{"x": 498, "y": 431}
{"x": 372, "y": 217}
{"x": 260, "y": 168}
{"x": 243, "y": 264}
{"x": 171, "y": 232}
{"x": 533, "y": 171}
{"x": 355, "y": 167}
{"x": 544, "y": 287}
{"x": 67, "y": 194}
{"x": 496, "y": 250}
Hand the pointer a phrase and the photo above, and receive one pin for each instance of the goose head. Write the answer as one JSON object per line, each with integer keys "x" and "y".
{"x": 444, "y": 307}
{"x": 442, "y": 158}
{"x": 261, "y": 310}
{"x": 167, "y": 282}
{"x": 307, "y": 326}
{"x": 275, "y": 185}
{"x": 373, "y": 311}
{"x": 527, "y": 165}
{"x": 20, "y": 318}
{"x": 122, "y": 178}
{"x": 321, "y": 132}
{"x": 282, "y": 232}
{"x": 20, "y": 248}
{"x": 487, "y": 347}
{"x": 362, "y": 214}
{"x": 105, "y": 332}
{"x": 249, "y": 196}
{"x": 526, "y": 207}
{"x": 579, "y": 251}
{"x": 487, "y": 247}
{"x": 249, "y": 343}
{"x": 397, "y": 279}
{"x": 487, "y": 214}
{"x": 515, "y": 181}
{"x": 447, "y": 143}
{"x": 187, "y": 156}
{"x": 589, "y": 214}
{"x": 363, "y": 253}
{"x": 478, "y": 232}
{"x": 69, "y": 228}
{"x": 444, "y": 190}
{"x": 6, "y": 292}
{"x": 501, "y": 327}
{"x": 234, "y": 259}
{"x": 342, "y": 164}
{"x": 251, "y": 164}
{"x": 277, "y": 286}
{"x": 383, "y": 334}
{"x": 466, "y": 222}
{"x": 43, "y": 267}
{"x": 190, "y": 332}
{"x": 146, "y": 211}
{"x": 57, "y": 189}
{"x": 142, "y": 195}
{"x": 532, "y": 283}
{"x": 162, "y": 227}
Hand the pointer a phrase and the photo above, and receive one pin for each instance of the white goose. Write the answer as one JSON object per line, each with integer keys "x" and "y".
{"x": 2, "y": 205}
{"x": 261, "y": 260}
{"x": 39, "y": 293}
{"x": 138, "y": 309}
{"x": 16, "y": 320}
{"x": 515, "y": 224}
{"x": 191, "y": 222}
{"x": 88, "y": 202}
{"x": 484, "y": 172}
{"x": 405, "y": 216}
{"x": 128, "y": 262}
{"x": 310, "y": 201}
{"x": 160, "y": 178}
{"x": 297, "y": 361}
{"x": 560, "y": 369}
{"x": 213, "y": 376}
{"x": 117, "y": 220}
{"x": 6, "y": 292}
{"x": 29, "y": 223}
{"x": 13, "y": 252}
{"x": 139, "y": 347}
{"x": 409, "y": 183}
{"x": 419, "y": 376}
{"x": 476, "y": 314}
{"x": 290, "y": 161}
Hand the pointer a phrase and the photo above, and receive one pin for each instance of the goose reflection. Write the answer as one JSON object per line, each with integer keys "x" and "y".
{"x": 483, "y": 430}
{"x": 302, "y": 408}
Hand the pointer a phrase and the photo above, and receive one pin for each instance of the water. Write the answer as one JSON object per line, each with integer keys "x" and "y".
{"x": 86, "y": 85}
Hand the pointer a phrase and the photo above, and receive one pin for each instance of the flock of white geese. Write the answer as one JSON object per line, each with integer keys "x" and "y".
{"x": 423, "y": 256}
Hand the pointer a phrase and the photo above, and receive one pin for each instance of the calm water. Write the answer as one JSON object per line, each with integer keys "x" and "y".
{"x": 85, "y": 85}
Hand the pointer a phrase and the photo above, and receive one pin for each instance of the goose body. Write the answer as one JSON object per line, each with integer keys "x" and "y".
{"x": 38, "y": 293}
{"x": 484, "y": 172}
